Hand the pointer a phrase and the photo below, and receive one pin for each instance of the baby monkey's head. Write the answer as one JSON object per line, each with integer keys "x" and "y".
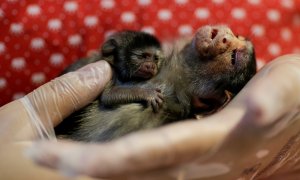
{"x": 135, "y": 56}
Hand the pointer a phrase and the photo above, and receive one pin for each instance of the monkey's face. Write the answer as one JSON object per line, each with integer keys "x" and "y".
{"x": 223, "y": 58}
{"x": 145, "y": 62}
{"x": 224, "y": 62}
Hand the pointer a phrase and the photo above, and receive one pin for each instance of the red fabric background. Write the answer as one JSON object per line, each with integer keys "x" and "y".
{"x": 39, "y": 38}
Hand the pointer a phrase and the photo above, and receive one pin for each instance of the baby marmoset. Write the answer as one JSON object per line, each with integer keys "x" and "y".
{"x": 135, "y": 57}
{"x": 202, "y": 77}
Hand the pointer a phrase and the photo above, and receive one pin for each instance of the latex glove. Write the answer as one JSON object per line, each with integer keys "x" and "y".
{"x": 35, "y": 115}
{"x": 246, "y": 139}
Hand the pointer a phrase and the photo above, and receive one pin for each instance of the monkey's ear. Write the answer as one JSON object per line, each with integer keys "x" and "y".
{"x": 108, "y": 50}
{"x": 109, "y": 47}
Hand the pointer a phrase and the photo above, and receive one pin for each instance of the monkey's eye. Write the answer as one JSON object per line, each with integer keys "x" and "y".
{"x": 145, "y": 55}
{"x": 139, "y": 56}
{"x": 156, "y": 58}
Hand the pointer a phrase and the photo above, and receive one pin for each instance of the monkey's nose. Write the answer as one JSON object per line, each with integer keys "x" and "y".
{"x": 149, "y": 66}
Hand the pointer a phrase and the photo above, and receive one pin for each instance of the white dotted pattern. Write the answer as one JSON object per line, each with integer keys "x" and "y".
{"x": 56, "y": 59}
{"x": 273, "y": 15}
{"x": 107, "y": 4}
{"x": 2, "y": 83}
{"x": 2, "y": 48}
{"x": 202, "y": 13}
{"x": 128, "y": 17}
{"x": 91, "y": 21}
{"x": 37, "y": 43}
{"x": 54, "y": 24}
{"x": 33, "y": 10}
{"x": 18, "y": 63}
{"x": 16, "y": 28}
{"x": 46, "y": 36}
{"x": 38, "y": 78}
{"x": 238, "y": 13}
{"x": 70, "y": 6}
{"x": 164, "y": 14}
{"x": 75, "y": 40}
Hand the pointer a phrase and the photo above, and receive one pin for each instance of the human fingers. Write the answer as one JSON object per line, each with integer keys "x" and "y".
{"x": 49, "y": 104}
{"x": 274, "y": 91}
{"x": 165, "y": 147}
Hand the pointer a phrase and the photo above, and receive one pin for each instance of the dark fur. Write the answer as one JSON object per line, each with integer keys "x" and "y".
{"x": 135, "y": 57}
{"x": 185, "y": 75}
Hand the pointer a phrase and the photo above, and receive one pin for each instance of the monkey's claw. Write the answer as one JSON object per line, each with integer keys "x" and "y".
{"x": 155, "y": 99}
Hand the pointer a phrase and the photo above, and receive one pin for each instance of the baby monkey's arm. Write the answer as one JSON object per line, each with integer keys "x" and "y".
{"x": 113, "y": 95}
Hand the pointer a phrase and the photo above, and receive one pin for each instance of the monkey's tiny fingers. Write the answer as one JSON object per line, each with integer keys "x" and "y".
{"x": 158, "y": 90}
{"x": 154, "y": 105}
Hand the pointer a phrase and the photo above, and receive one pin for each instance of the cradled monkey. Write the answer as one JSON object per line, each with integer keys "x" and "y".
{"x": 200, "y": 78}
{"x": 135, "y": 57}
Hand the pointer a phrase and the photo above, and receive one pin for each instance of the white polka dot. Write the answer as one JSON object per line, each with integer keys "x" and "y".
{"x": 91, "y": 21}
{"x": 296, "y": 20}
{"x": 144, "y": 2}
{"x": 70, "y": 6}
{"x": 164, "y": 14}
{"x": 181, "y": 2}
{"x": 274, "y": 49}
{"x": 2, "y": 47}
{"x": 75, "y": 40}
{"x": 128, "y": 17}
{"x": 218, "y": 1}
{"x": 202, "y": 13}
{"x": 287, "y": 3}
{"x": 54, "y": 24}
{"x": 18, "y": 63}
{"x": 238, "y": 13}
{"x": 107, "y": 4}
{"x": 109, "y": 33}
{"x": 148, "y": 29}
{"x": 254, "y": 2}
{"x": 16, "y": 28}
{"x": 185, "y": 30}
{"x": 33, "y": 10}
{"x": 262, "y": 153}
{"x": 1, "y": 13}
{"x": 286, "y": 34}
{"x": 18, "y": 95}
{"x": 258, "y": 30}
{"x": 3, "y": 83}
{"x": 273, "y": 15}
{"x": 37, "y": 43}
{"x": 38, "y": 78}
{"x": 56, "y": 59}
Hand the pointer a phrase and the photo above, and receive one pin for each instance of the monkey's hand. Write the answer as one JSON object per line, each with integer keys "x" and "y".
{"x": 154, "y": 97}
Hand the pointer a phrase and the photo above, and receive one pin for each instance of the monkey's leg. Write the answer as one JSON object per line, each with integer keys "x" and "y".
{"x": 114, "y": 95}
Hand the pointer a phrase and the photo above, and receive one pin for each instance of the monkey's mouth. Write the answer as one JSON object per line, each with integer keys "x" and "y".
{"x": 145, "y": 74}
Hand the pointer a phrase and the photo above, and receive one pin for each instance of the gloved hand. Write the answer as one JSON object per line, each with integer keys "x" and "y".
{"x": 35, "y": 115}
{"x": 256, "y": 135}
